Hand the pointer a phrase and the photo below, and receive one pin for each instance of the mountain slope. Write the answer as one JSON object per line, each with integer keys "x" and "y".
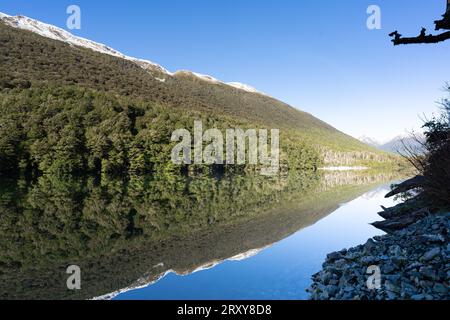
{"x": 32, "y": 58}
{"x": 55, "y": 33}
{"x": 45, "y": 59}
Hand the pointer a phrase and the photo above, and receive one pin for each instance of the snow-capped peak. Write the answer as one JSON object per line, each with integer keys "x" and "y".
{"x": 55, "y": 33}
{"x": 206, "y": 77}
{"x": 203, "y": 77}
{"x": 242, "y": 86}
{"x": 370, "y": 141}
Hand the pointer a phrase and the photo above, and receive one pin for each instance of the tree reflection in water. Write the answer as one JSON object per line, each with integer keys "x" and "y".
{"x": 120, "y": 230}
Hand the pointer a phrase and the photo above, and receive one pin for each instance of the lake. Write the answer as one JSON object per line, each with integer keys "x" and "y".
{"x": 229, "y": 237}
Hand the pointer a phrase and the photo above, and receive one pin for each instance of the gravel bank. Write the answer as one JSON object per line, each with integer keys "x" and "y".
{"x": 413, "y": 262}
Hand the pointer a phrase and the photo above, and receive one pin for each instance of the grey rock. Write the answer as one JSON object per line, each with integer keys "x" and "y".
{"x": 433, "y": 238}
{"x": 341, "y": 264}
{"x": 428, "y": 273}
{"x": 431, "y": 254}
{"x": 369, "y": 260}
{"x": 426, "y": 285}
{"x": 332, "y": 290}
{"x": 418, "y": 297}
{"x": 334, "y": 256}
{"x": 408, "y": 289}
{"x": 324, "y": 296}
{"x": 395, "y": 251}
{"x": 370, "y": 245}
{"x": 353, "y": 256}
{"x": 392, "y": 295}
{"x": 440, "y": 288}
{"x": 400, "y": 261}
{"x": 414, "y": 263}
{"x": 334, "y": 282}
{"x": 325, "y": 277}
{"x": 391, "y": 287}
{"x": 394, "y": 278}
{"x": 389, "y": 268}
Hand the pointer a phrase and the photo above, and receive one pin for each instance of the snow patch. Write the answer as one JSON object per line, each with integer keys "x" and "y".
{"x": 236, "y": 85}
{"x": 247, "y": 255}
{"x": 205, "y": 77}
{"x": 243, "y": 86}
{"x": 145, "y": 281}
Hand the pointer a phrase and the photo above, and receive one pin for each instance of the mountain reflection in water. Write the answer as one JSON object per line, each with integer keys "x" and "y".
{"x": 127, "y": 235}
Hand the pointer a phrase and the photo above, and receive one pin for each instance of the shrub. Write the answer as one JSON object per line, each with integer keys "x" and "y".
{"x": 434, "y": 162}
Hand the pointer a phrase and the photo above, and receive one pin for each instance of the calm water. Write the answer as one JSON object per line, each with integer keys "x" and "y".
{"x": 233, "y": 237}
{"x": 283, "y": 270}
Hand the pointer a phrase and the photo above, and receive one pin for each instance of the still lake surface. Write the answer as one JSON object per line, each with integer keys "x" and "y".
{"x": 233, "y": 237}
{"x": 284, "y": 269}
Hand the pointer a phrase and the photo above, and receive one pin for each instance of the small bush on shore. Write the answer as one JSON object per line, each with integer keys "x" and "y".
{"x": 434, "y": 163}
{"x": 437, "y": 166}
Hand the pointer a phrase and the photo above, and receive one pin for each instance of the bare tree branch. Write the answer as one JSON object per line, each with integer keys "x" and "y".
{"x": 422, "y": 39}
{"x": 443, "y": 24}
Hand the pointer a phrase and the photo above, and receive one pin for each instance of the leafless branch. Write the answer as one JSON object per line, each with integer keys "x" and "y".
{"x": 422, "y": 39}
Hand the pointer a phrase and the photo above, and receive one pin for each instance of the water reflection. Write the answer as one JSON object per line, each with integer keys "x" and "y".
{"x": 120, "y": 231}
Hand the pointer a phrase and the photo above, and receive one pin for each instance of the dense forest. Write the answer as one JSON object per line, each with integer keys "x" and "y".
{"x": 75, "y": 130}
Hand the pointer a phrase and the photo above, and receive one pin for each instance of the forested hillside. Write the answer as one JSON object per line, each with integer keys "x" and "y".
{"x": 70, "y": 109}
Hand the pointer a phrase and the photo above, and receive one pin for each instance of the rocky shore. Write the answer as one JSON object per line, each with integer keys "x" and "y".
{"x": 413, "y": 263}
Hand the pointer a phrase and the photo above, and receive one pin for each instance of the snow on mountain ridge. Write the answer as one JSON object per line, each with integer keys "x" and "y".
{"x": 146, "y": 281}
{"x": 236, "y": 85}
{"x": 369, "y": 141}
{"x": 242, "y": 86}
{"x": 55, "y": 33}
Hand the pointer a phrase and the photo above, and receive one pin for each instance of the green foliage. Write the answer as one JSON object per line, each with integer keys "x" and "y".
{"x": 432, "y": 160}
{"x": 66, "y": 215}
{"x": 74, "y": 130}
{"x": 436, "y": 165}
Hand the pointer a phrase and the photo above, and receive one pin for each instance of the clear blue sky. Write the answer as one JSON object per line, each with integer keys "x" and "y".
{"x": 316, "y": 55}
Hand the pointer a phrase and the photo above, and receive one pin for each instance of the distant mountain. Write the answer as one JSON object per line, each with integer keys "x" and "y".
{"x": 369, "y": 141}
{"x": 397, "y": 144}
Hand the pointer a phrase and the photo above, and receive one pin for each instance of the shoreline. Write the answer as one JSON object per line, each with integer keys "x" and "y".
{"x": 344, "y": 168}
{"x": 411, "y": 263}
